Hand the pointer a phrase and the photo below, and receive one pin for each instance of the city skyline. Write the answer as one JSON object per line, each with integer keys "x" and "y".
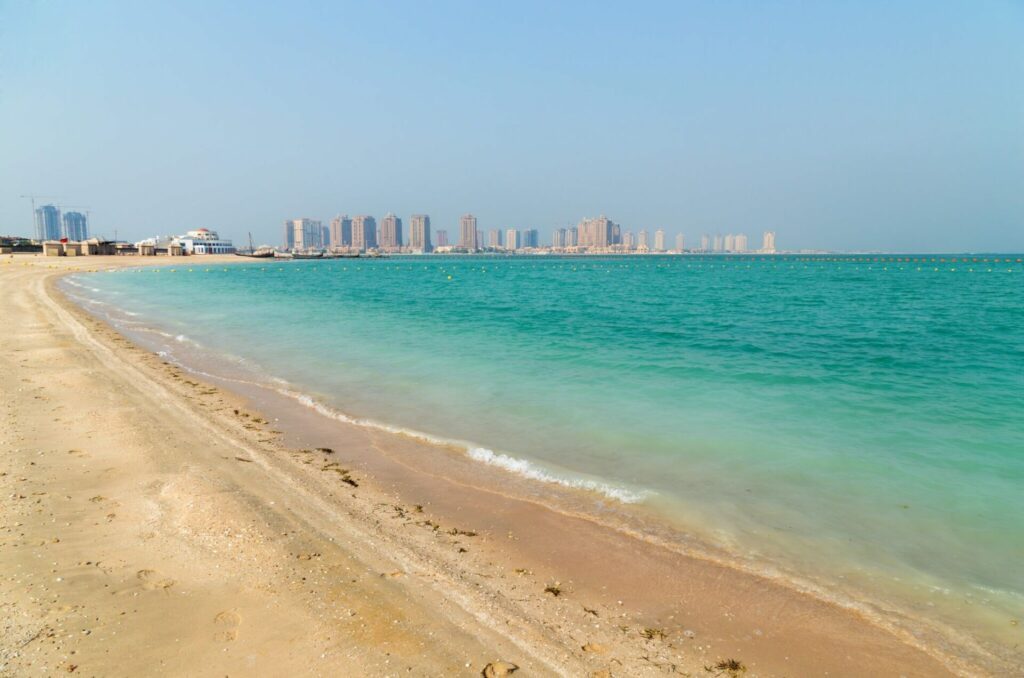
{"x": 594, "y": 233}
{"x": 306, "y": 233}
{"x": 50, "y": 223}
{"x": 590, "y": 235}
{"x": 902, "y": 133}
{"x": 310, "y": 234}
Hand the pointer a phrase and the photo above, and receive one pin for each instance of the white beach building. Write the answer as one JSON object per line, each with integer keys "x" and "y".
{"x": 205, "y": 241}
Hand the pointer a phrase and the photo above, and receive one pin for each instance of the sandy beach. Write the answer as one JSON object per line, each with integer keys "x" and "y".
{"x": 155, "y": 523}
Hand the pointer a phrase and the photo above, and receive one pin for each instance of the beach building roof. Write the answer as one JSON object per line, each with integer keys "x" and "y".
{"x": 201, "y": 234}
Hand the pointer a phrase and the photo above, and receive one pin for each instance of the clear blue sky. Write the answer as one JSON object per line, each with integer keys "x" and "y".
{"x": 892, "y": 125}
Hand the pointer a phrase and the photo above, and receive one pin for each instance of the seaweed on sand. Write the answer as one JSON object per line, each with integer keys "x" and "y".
{"x": 731, "y": 667}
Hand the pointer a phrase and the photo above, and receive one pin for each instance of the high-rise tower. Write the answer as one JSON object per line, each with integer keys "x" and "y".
{"x": 467, "y": 233}
{"x": 641, "y": 240}
{"x": 390, "y": 233}
{"x": 599, "y": 232}
{"x": 341, "y": 231}
{"x": 364, "y": 232}
{"x": 76, "y": 226}
{"x": 301, "y": 234}
{"x": 419, "y": 233}
{"x": 48, "y": 223}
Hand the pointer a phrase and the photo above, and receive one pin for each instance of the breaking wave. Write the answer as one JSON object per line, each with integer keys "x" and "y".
{"x": 517, "y": 466}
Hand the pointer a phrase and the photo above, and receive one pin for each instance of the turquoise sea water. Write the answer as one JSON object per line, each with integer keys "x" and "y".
{"x": 859, "y": 415}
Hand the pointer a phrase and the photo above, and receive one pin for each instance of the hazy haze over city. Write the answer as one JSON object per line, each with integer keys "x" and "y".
{"x": 895, "y": 126}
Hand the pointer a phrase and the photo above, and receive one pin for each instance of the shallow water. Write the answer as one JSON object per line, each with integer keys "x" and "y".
{"x": 858, "y": 417}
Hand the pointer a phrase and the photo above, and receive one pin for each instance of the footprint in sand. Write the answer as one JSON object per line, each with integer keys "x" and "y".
{"x": 153, "y": 580}
{"x": 228, "y": 620}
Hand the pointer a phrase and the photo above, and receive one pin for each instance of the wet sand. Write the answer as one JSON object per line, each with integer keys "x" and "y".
{"x": 155, "y": 522}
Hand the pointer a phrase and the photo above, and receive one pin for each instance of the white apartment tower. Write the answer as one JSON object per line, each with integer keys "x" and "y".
{"x": 659, "y": 240}
{"x": 641, "y": 241}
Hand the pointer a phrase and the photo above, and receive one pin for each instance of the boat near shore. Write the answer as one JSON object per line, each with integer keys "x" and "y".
{"x": 261, "y": 252}
{"x": 264, "y": 252}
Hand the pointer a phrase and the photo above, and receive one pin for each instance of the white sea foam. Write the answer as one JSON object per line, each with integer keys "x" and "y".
{"x": 520, "y": 467}
{"x": 153, "y": 330}
{"x": 529, "y": 470}
{"x": 182, "y": 339}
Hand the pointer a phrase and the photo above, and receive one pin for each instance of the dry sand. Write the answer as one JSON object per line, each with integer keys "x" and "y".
{"x": 155, "y": 524}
